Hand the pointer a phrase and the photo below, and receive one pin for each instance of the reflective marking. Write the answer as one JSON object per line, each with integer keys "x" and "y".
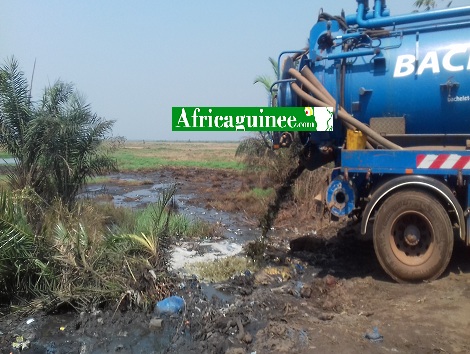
{"x": 426, "y": 161}
{"x": 443, "y": 162}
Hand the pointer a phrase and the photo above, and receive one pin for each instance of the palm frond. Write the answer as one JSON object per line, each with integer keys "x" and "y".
{"x": 149, "y": 243}
{"x": 56, "y": 97}
{"x": 16, "y": 238}
{"x": 428, "y": 4}
{"x": 264, "y": 80}
{"x": 268, "y": 80}
{"x": 155, "y": 239}
{"x": 21, "y": 270}
{"x": 15, "y": 107}
{"x": 275, "y": 66}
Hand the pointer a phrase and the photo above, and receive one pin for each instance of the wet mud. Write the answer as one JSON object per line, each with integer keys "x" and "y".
{"x": 320, "y": 290}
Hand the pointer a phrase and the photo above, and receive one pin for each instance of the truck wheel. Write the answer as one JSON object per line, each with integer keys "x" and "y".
{"x": 413, "y": 237}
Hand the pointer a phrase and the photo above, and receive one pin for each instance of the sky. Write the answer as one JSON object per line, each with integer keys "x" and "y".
{"x": 134, "y": 60}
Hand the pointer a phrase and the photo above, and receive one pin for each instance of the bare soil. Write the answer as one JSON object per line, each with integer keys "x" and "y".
{"x": 321, "y": 291}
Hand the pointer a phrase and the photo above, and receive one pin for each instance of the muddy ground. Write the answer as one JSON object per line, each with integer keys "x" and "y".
{"x": 322, "y": 291}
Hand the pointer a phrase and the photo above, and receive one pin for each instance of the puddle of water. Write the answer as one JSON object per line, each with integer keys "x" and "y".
{"x": 211, "y": 292}
{"x": 140, "y": 197}
{"x": 57, "y": 333}
{"x": 235, "y": 231}
{"x": 7, "y": 161}
{"x": 137, "y": 340}
{"x": 233, "y": 228}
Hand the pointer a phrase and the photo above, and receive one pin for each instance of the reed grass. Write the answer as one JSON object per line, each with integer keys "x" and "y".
{"x": 91, "y": 255}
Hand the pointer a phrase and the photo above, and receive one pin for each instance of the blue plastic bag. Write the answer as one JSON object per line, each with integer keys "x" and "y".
{"x": 170, "y": 305}
{"x": 375, "y": 336}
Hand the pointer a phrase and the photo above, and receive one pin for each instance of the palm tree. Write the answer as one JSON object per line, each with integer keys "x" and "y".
{"x": 69, "y": 136}
{"x": 257, "y": 146}
{"x": 268, "y": 80}
{"x": 56, "y": 142}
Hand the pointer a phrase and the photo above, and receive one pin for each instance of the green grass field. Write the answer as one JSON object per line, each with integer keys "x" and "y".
{"x": 140, "y": 156}
{"x": 135, "y": 156}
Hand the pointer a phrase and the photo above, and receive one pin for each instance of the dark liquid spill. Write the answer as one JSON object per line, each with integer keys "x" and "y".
{"x": 282, "y": 192}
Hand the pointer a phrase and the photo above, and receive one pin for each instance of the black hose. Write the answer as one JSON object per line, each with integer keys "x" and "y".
{"x": 327, "y": 17}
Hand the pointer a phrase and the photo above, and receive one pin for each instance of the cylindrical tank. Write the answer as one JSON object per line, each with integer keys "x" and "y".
{"x": 403, "y": 75}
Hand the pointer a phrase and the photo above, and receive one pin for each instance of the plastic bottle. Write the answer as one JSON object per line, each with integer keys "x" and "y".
{"x": 170, "y": 305}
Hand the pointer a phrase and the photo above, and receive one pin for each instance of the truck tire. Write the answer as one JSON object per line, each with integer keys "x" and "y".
{"x": 413, "y": 236}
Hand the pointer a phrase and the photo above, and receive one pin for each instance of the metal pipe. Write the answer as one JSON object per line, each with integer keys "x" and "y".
{"x": 349, "y": 35}
{"x": 279, "y": 82}
{"x": 409, "y": 18}
{"x": 279, "y": 73}
{"x": 378, "y": 9}
{"x": 346, "y": 55}
{"x": 433, "y": 27}
{"x": 351, "y": 19}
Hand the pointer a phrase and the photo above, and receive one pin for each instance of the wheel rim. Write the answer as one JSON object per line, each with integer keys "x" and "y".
{"x": 412, "y": 238}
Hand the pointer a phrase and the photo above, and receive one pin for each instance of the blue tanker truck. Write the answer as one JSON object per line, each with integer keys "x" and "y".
{"x": 400, "y": 88}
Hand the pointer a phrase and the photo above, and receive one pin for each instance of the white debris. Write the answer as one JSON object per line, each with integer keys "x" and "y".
{"x": 182, "y": 257}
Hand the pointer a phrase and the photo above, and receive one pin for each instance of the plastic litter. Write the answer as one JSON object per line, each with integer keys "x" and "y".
{"x": 51, "y": 348}
{"x": 303, "y": 338}
{"x": 375, "y": 336}
{"x": 299, "y": 268}
{"x": 20, "y": 343}
{"x": 271, "y": 274}
{"x": 156, "y": 323}
{"x": 29, "y": 320}
{"x": 297, "y": 290}
{"x": 170, "y": 305}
